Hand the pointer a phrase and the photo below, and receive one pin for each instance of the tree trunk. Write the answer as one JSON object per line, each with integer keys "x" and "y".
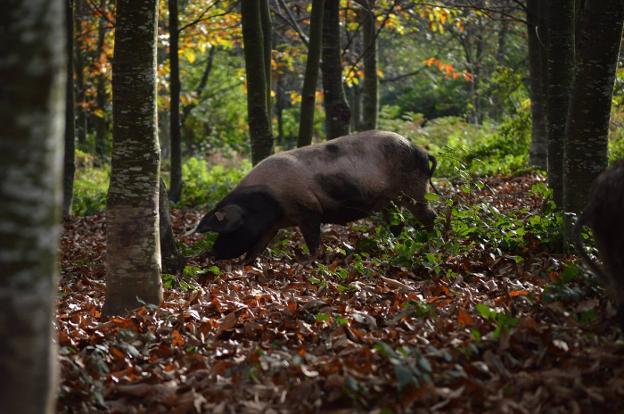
{"x": 280, "y": 104}
{"x": 132, "y": 220}
{"x": 176, "y": 144}
{"x": 560, "y": 74}
{"x": 370, "y": 89}
{"x": 267, "y": 45}
{"x": 79, "y": 65}
{"x": 69, "y": 166}
{"x": 337, "y": 112}
{"x": 186, "y": 111}
{"x": 257, "y": 110}
{"x": 100, "y": 128}
{"x": 586, "y": 144}
{"x": 172, "y": 261}
{"x": 31, "y": 147}
{"x": 308, "y": 93}
{"x": 538, "y": 152}
{"x": 355, "y": 97}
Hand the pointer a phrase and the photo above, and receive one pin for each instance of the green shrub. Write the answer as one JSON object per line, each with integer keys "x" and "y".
{"x": 90, "y": 188}
{"x": 202, "y": 185}
{"x": 206, "y": 186}
{"x": 486, "y": 153}
{"x": 616, "y": 149}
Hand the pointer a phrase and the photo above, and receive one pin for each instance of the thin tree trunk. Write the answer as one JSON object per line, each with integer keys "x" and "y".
{"x": 560, "y": 75}
{"x": 31, "y": 147}
{"x": 100, "y": 128}
{"x": 132, "y": 220}
{"x": 538, "y": 153}
{"x": 172, "y": 261}
{"x": 69, "y": 166}
{"x": 174, "y": 121}
{"x": 355, "y": 96}
{"x": 501, "y": 49}
{"x": 308, "y": 93}
{"x": 337, "y": 112}
{"x": 267, "y": 45}
{"x": 186, "y": 111}
{"x": 280, "y": 99}
{"x": 586, "y": 145}
{"x": 79, "y": 67}
{"x": 257, "y": 110}
{"x": 370, "y": 89}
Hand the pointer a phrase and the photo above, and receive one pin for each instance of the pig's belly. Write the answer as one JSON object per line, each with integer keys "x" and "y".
{"x": 346, "y": 212}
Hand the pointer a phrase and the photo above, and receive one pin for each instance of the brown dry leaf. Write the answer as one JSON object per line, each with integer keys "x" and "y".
{"x": 464, "y": 318}
{"x": 228, "y": 323}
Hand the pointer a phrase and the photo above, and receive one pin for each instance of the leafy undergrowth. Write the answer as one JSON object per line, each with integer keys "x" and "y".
{"x": 476, "y": 316}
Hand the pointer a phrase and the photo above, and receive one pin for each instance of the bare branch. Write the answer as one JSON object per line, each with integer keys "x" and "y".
{"x": 202, "y": 18}
{"x": 291, "y": 21}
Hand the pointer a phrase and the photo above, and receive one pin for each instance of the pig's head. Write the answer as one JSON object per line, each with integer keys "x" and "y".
{"x": 241, "y": 219}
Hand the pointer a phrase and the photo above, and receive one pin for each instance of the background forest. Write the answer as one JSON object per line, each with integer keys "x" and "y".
{"x": 520, "y": 101}
{"x": 454, "y": 79}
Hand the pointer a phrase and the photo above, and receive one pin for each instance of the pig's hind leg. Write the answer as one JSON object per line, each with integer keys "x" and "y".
{"x": 310, "y": 227}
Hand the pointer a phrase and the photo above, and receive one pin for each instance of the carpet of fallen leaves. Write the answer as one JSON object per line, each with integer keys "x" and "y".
{"x": 264, "y": 339}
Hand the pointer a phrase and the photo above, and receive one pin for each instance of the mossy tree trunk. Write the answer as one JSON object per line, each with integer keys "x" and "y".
{"x": 538, "y": 152}
{"x": 559, "y": 78}
{"x": 69, "y": 165}
{"x": 132, "y": 220}
{"x": 31, "y": 152}
{"x": 257, "y": 90}
{"x": 174, "y": 119}
{"x": 337, "y": 112}
{"x": 586, "y": 145}
{"x": 308, "y": 93}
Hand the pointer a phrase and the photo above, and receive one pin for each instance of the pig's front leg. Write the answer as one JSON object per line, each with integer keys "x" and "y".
{"x": 421, "y": 210}
{"x": 259, "y": 247}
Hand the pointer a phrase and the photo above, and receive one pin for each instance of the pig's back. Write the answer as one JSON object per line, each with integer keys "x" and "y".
{"x": 364, "y": 169}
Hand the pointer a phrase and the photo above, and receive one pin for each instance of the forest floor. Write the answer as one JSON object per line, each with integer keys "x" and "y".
{"x": 519, "y": 333}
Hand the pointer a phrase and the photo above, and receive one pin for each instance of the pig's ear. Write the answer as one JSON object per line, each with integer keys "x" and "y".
{"x": 224, "y": 220}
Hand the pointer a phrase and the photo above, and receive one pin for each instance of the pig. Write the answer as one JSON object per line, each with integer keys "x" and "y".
{"x": 604, "y": 214}
{"x": 342, "y": 180}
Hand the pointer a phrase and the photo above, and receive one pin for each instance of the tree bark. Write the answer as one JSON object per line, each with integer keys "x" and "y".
{"x": 257, "y": 109}
{"x": 337, "y": 112}
{"x": 172, "y": 261}
{"x": 280, "y": 104}
{"x": 586, "y": 145}
{"x": 267, "y": 45}
{"x": 100, "y": 128}
{"x": 308, "y": 93}
{"x": 79, "y": 65}
{"x": 176, "y": 144}
{"x": 132, "y": 238}
{"x": 355, "y": 97}
{"x": 31, "y": 152}
{"x": 560, "y": 75}
{"x": 538, "y": 152}
{"x": 370, "y": 89}
{"x": 69, "y": 165}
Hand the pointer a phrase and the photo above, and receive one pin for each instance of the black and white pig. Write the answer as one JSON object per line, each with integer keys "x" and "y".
{"x": 345, "y": 179}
